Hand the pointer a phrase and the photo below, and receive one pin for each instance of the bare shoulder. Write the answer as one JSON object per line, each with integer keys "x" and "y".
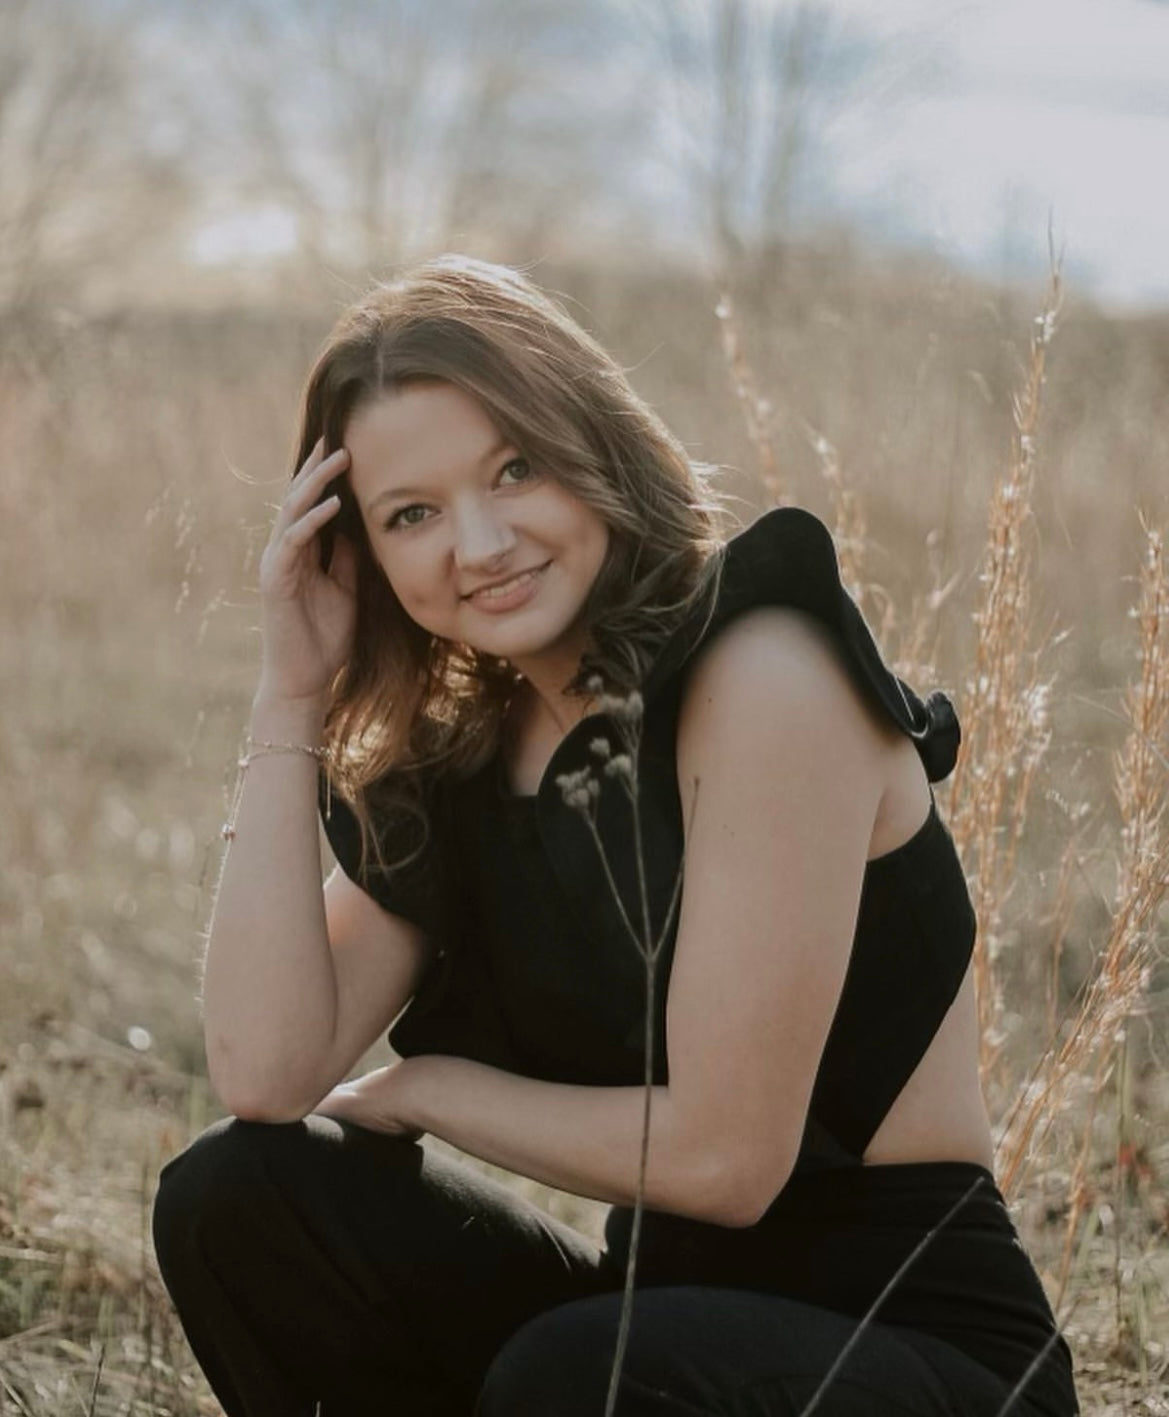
{"x": 771, "y": 699}
{"x": 779, "y": 668}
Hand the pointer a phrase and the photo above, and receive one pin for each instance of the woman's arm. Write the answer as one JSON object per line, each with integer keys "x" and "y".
{"x": 298, "y": 982}
{"x": 790, "y": 763}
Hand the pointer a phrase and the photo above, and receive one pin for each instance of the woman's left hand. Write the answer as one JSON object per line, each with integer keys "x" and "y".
{"x": 373, "y": 1101}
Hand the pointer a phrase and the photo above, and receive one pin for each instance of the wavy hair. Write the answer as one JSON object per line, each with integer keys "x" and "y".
{"x": 410, "y": 709}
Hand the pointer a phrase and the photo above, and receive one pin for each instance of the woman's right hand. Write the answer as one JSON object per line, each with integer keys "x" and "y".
{"x": 309, "y": 614}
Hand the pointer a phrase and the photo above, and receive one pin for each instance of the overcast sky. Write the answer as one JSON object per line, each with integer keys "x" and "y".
{"x": 982, "y": 118}
{"x": 1034, "y": 106}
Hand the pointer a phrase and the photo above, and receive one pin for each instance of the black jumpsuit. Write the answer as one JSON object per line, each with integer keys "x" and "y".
{"x": 319, "y": 1262}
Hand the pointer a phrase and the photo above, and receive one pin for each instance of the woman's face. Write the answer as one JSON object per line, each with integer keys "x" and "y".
{"x": 478, "y": 544}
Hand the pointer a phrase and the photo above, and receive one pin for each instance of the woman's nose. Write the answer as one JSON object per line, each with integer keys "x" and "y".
{"x": 482, "y": 536}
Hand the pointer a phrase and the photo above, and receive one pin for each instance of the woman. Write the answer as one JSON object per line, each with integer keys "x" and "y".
{"x": 495, "y": 603}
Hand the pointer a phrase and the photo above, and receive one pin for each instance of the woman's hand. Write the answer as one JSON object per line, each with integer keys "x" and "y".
{"x": 309, "y": 614}
{"x": 374, "y": 1101}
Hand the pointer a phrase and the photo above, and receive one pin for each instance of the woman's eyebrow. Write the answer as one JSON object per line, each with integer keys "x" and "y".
{"x": 388, "y": 494}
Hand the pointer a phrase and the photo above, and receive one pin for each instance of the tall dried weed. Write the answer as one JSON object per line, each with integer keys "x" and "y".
{"x": 1006, "y": 717}
{"x": 1005, "y": 707}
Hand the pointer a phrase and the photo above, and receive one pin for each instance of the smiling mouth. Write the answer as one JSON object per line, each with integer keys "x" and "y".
{"x": 503, "y": 589}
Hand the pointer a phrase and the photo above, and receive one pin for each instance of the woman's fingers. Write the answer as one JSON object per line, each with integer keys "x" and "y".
{"x": 282, "y": 564}
{"x": 314, "y": 460}
{"x": 313, "y": 475}
{"x": 311, "y": 464}
{"x": 302, "y": 531}
{"x": 306, "y": 486}
{"x": 308, "y": 617}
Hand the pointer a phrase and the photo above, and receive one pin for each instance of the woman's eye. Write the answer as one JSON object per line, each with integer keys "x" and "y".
{"x": 407, "y": 516}
{"x": 515, "y": 473}
{"x": 520, "y": 470}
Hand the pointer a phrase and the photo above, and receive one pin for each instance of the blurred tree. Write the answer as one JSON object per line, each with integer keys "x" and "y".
{"x": 87, "y": 183}
{"x": 751, "y": 87}
{"x": 392, "y": 126}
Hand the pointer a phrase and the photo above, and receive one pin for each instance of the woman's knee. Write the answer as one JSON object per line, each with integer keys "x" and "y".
{"x": 215, "y": 1182}
{"x": 236, "y": 1175}
{"x": 560, "y": 1364}
{"x": 690, "y": 1349}
{"x": 555, "y": 1365}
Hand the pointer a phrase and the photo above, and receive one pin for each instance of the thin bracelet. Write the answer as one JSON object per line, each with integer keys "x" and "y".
{"x": 263, "y": 748}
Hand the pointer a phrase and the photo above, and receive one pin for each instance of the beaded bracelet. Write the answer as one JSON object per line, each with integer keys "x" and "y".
{"x": 263, "y": 748}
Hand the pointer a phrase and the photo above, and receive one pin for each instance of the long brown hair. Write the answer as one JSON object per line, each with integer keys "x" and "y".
{"x": 410, "y": 708}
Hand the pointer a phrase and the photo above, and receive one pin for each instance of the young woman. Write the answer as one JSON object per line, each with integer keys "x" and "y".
{"x": 497, "y": 609}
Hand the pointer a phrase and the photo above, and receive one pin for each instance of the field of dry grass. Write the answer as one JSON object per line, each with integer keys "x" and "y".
{"x": 992, "y": 524}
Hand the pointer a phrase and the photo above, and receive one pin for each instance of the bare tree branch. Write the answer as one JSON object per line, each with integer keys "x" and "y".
{"x": 80, "y": 183}
{"x": 752, "y": 84}
{"x": 387, "y": 125}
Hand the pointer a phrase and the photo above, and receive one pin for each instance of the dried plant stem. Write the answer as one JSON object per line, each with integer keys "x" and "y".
{"x": 915, "y": 657}
{"x": 626, "y": 1318}
{"x": 1111, "y": 996}
{"x": 849, "y": 528}
{"x": 1028, "y": 1373}
{"x": 581, "y": 790}
{"x": 1142, "y": 770}
{"x": 870, "y": 1314}
{"x": 1006, "y": 704}
{"x": 649, "y": 953}
{"x": 1077, "y": 1200}
{"x": 1060, "y": 925}
{"x": 1121, "y": 972}
{"x": 758, "y": 412}
{"x": 101, "y": 1362}
{"x": 1123, "y": 1075}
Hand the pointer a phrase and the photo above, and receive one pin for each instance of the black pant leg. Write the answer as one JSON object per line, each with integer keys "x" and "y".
{"x": 317, "y": 1261}
{"x": 697, "y": 1351}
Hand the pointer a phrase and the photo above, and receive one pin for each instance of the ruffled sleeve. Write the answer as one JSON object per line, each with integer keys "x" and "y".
{"x": 787, "y": 557}
{"x": 412, "y": 891}
{"x": 454, "y": 1010}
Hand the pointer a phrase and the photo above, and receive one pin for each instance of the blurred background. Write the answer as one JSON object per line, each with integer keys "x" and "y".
{"x": 819, "y": 234}
{"x": 156, "y": 152}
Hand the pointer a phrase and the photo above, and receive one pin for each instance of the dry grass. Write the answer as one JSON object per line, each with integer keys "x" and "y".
{"x": 1005, "y": 702}
{"x": 1007, "y": 732}
{"x": 136, "y": 458}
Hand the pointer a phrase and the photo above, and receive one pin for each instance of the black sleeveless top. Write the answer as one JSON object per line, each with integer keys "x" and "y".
{"x": 534, "y": 970}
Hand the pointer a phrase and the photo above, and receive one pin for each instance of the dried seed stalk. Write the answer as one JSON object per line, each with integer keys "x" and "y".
{"x": 1122, "y": 969}
{"x": 758, "y": 412}
{"x": 849, "y": 528}
{"x": 1005, "y": 719}
{"x": 581, "y": 790}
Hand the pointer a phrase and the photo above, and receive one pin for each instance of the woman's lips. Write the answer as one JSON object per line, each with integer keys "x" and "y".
{"x": 511, "y": 594}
